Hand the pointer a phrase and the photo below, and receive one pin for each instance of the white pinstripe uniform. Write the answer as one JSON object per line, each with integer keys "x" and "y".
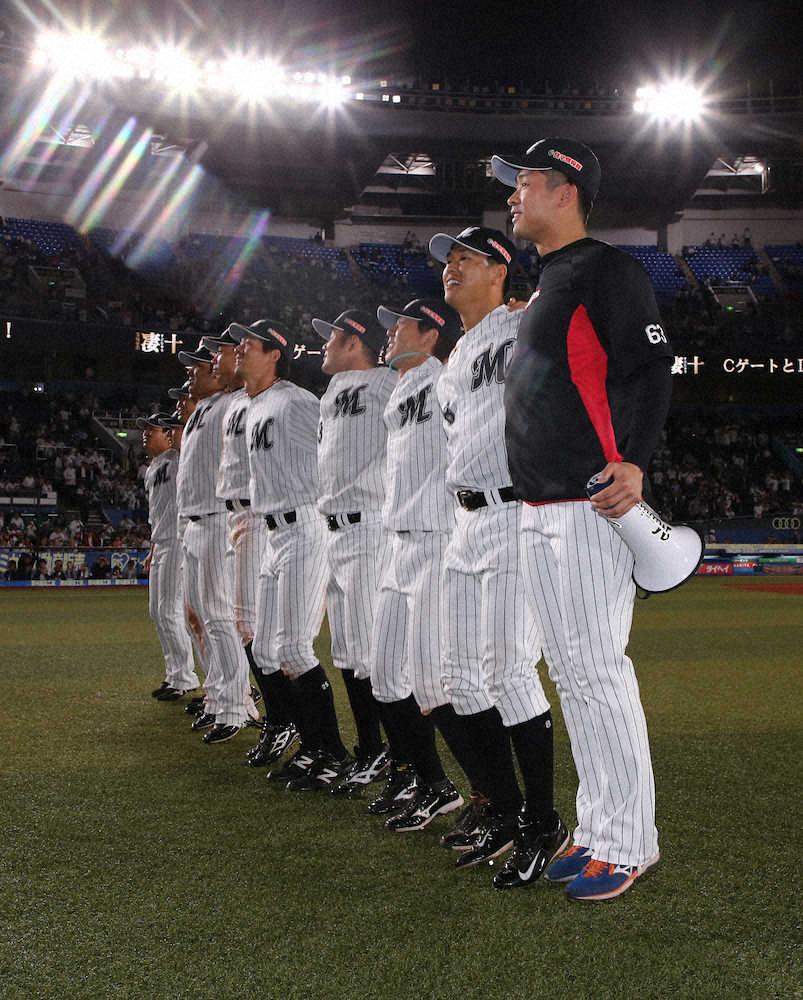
{"x": 208, "y": 561}
{"x": 246, "y": 527}
{"x": 282, "y": 430}
{"x": 491, "y": 646}
{"x": 165, "y": 589}
{"x": 351, "y": 467}
{"x": 419, "y": 514}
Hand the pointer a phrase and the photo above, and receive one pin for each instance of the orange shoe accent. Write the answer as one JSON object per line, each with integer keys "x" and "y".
{"x": 596, "y": 868}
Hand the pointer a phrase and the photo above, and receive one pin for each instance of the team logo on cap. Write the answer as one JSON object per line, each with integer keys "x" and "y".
{"x": 499, "y": 249}
{"x": 433, "y": 315}
{"x": 356, "y": 325}
{"x": 566, "y": 159}
{"x": 282, "y": 340}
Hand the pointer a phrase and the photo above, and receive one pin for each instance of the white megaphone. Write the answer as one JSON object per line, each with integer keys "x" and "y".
{"x": 666, "y": 554}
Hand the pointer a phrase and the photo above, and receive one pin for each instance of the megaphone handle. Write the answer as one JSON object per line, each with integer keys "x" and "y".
{"x": 593, "y": 488}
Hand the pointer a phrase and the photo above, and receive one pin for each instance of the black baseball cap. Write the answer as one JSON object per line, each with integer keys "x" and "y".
{"x": 168, "y": 420}
{"x": 489, "y": 242}
{"x": 214, "y": 342}
{"x": 356, "y": 321}
{"x": 200, "y": 356}
{"x": 154, "y": 420}
{"x": 571, "y": 157}
{"x": 270, "y": 331}
{"x": 179, "y": 392}
{"x": 434, "y": 312}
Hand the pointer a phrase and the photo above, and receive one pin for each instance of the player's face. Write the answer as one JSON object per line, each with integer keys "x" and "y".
{"x": 173, "y": 435}
{"x": 466, "y": 274}
{"x": 223, "y": 364}
{"x": 184, "y": 407}
{"x": 404, "y": 337}
{"x": 251, "y": 362}
{"x": 338, "y": 352}
{"x": 202, "y": 381}
{"x": 532, "y": 204}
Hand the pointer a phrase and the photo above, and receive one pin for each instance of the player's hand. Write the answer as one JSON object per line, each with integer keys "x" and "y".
{"x": 623, "y": 493}
{"x": 147, "y": 564}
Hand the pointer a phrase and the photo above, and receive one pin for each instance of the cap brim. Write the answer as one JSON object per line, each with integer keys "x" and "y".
{"x": 324, "y": 329}
{"x": 188, "y": 359}
{"x": 238, "y": 332}
{"x": 388, "y": 318}
{"x": 441, "y": 244}
{"x": 177, "y": 393}
{"x": 143, "y": 422}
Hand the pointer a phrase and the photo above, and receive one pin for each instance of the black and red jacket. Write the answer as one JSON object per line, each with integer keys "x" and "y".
{"x": 589, "y": 381}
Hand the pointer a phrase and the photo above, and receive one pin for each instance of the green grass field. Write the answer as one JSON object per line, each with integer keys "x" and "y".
{"x": 137, "y": 862}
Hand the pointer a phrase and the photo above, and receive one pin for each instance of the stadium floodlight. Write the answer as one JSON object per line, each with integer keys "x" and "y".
{"x": 676, "y": 101}
{"x": 80, "y": 54}
{"x": 331, "y": 94}
{"x": 176, "y": 68}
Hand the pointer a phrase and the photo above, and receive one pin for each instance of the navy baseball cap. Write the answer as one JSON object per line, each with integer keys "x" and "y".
{"x": 212, "y": 343}
{"x": 433, "y": 312}
{"x": 356, "y": 321}
{"x": 179, "y": 392}
{"x": 270, "y": 331}
{"x": 571, "y": 157}
{"x": 201, "y": 356}
{"x": 154, "y": 420}
{"x": 168, "y": 420}
{"x": 489, "y": 242}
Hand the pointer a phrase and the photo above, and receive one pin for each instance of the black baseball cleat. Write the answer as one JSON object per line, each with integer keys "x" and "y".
{"x": 401, "y": 785}
{"x": 220, "y": 733}
{"x": 535, "y": 845}
{"x": 365, "y": 770}
{"x": 157, "y": 691}
{"x": 298, "y": 765}
{"x": 195, "y": 706}
{"x": 204, "y": 721}
{"x": 326, "y": 770}
{"x": 256, "y": 695}
{"x": 469, "y": 823}
{"x": 274, "y": 741}
{"x": 171, "y": 694}
{"x": 495, "y": 837}
{"x": 430, "y": 801}
{"x": 253, "y": 756}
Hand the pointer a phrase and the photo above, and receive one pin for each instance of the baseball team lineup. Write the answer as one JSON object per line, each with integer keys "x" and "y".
{"x": 433, "y": 504}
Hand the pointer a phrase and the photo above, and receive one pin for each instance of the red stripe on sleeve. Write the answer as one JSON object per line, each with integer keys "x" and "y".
{"x": 588, "y": 364}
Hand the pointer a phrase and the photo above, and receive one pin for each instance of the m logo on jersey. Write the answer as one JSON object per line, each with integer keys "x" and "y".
{"x": 415, "y": 408}
{"x": 161, "y": 476}
{"x": 487, "y": 368}
{"x": 347, "y": 402}
{"x": 196, "y": 421}
{"x": 261, "y": 437}
{"x": 236, "y": 423}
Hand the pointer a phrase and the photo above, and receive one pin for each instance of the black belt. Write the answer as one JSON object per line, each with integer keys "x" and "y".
{"x": 243, "y": 503}
{"x": 289, "y": 518}
{"x": 334, "y": 523}
{"x": 199, "y": 517}
{"x": 470, "y": 500}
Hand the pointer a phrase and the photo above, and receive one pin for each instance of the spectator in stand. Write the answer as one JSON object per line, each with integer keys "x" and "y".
{"x": 101, "y": 570}
{"x": 11, "y": 570}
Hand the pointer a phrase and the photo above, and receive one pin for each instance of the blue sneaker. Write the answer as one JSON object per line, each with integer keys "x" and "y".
{"x": 600, "y": 880}
{"x": 568, "y": 865}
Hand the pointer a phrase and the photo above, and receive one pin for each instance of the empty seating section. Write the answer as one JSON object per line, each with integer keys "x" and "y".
{"x": 665, "y": 274}
{"x": 729, "y": 264}
{"x": 387, "y": 263}
{"x": 788, "y": 258}
{"x": 50, "y": 238}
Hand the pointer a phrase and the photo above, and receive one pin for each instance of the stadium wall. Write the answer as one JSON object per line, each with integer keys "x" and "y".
{"x": 770, "y": 225}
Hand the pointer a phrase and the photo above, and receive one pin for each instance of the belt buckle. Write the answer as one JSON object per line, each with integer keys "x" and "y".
{"x": 331, "y": 521}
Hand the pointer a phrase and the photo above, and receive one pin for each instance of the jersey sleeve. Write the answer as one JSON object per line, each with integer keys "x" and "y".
{"x": 625, "y": 315}
{"x": 301, "y": 420}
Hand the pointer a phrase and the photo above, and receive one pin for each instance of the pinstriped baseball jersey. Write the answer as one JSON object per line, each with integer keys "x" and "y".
{"x": 199, "y": 458}
{"x": 234, "y": 473}
{"x": 160, "y": 482}
{"x": 351, "y": 441}
{"x": 282, "y": 430}
{"x": 416, "y": 498}
{"x": 471, "y": 393}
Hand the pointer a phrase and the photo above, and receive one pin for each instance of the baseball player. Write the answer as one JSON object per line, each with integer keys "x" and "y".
{"x": 165, "y": 592}
{"x": 588, "y": 392}
{"x": 207, "y": 562}
{"x": 282, "y": 430}
{"x": 418, "y": 515}
{"x": 351, "y": 472}
{"x": 247, "y": 535}
{"x": 491, "y": 646}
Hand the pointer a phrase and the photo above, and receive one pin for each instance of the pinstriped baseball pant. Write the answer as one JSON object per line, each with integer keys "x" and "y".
{"x": 578, "y": 581}
{"x": 208, "y": 567}
{"x": 491, "y": 647}
{"x": 290, "y": 599}
{"x": 166, "y": 608}
{"x": 406, "y": 644}
{"x": 355, "y": 555}
{"x": 248, "y": 534}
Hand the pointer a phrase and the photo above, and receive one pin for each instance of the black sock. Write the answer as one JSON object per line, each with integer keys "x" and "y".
{"x": 365, "y": 712}
{"x": 487, "y": 733}
{"x": 533, "y": 742}
{"x": 464, "y": 750}
{"x": 416, "y": 734}
{"x": 281, "y": 698}
{"x": 259, "y": 678}
{"x": 395, "y": 737}
{"x": 318, "y": 711}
